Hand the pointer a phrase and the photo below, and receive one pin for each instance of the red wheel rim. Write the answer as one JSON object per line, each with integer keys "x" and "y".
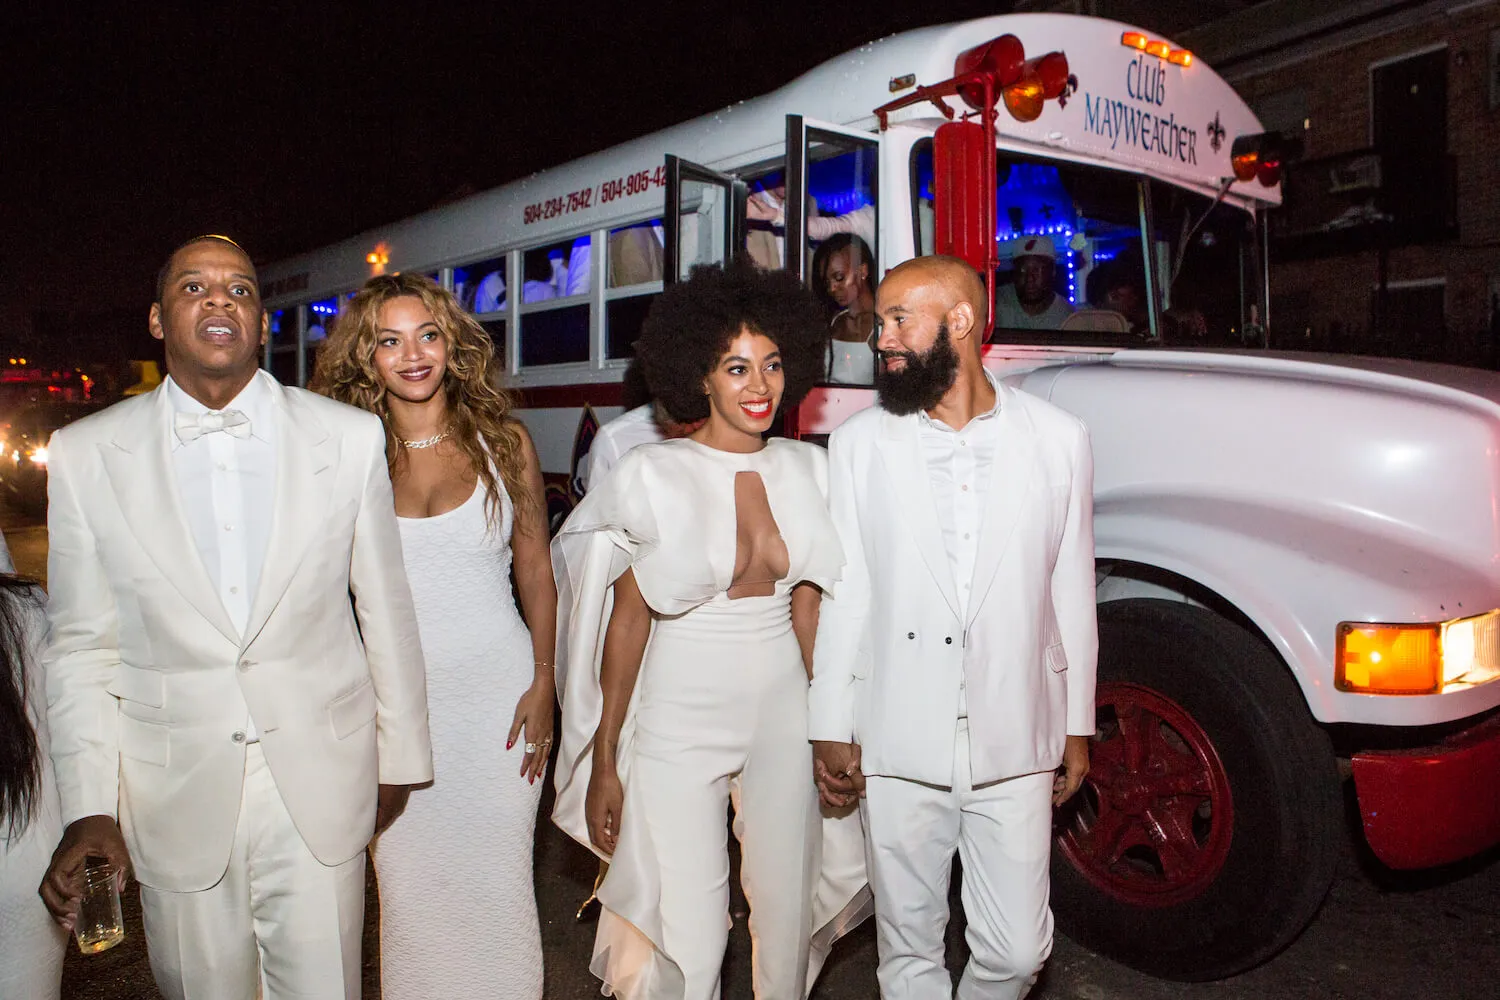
{"x": 1152, "y": 824}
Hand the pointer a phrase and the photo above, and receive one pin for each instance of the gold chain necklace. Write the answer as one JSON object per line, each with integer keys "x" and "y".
{"x": 425, "y": 442}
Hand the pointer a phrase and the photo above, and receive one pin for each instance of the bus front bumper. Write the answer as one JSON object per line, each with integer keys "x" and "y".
{"x": 1432, "y": 805}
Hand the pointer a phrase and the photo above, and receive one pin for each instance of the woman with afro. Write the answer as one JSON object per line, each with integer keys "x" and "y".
{"x": 716, "y": 547}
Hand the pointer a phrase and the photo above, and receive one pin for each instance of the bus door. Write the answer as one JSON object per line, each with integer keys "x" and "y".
{"x": 705, "y": 218}
{"x": 833, "y": 236}
{"x": 832, "y": 188}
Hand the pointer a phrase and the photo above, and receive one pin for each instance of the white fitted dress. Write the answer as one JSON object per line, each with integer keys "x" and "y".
{"x": 721, "y": 699}
{"x": 458, "y": 911}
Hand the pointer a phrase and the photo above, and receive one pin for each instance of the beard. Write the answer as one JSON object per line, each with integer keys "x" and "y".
{"x": 924, "y": 381}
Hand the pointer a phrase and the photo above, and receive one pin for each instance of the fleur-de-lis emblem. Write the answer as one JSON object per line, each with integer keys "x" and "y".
{"x": 1216, "y": 133}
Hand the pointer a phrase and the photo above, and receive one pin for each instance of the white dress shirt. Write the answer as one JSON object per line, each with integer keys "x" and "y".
{"x": 959, "y": 463}
{"x": 228, "y": 490}
{"x": 614, "y": 439}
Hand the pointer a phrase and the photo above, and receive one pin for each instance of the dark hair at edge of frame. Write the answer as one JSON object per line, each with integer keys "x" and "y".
{"x": 161, "y": 273}
{"x": 691, "y": 324}
{"x": 860, "y": 254}
{"x": 20, "y": 756}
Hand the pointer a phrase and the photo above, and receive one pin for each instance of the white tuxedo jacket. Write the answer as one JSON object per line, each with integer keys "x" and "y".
{"x": 148, "y": 680}
{"x": 892, "y": 647}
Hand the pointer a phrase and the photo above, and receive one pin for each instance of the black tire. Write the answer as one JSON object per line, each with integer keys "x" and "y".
{"x": 1284, "y": 788}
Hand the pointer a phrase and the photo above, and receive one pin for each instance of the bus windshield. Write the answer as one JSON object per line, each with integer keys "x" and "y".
{"x": 1074, "y": 267}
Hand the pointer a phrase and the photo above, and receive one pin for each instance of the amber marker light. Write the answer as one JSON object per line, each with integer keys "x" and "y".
{"x": 1180, "y": 57}
{"x": 1158, "y": 49}
{"x": 1418, "y": 659}
{"x": 1134, "y": 40}
{"x": 1389, "y": 659}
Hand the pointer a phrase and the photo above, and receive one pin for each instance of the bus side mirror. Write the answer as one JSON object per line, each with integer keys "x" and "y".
{"x": 963, "y": 191}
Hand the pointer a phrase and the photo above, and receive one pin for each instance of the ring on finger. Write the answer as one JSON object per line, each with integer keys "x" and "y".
{"x": 531, "y": 748}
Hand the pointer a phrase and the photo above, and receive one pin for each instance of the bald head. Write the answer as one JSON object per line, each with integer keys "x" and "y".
{"x": 945, "y": 288}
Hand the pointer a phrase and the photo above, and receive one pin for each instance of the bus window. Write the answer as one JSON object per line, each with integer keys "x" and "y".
{"x": 320, "y": 317}
{"x": 704, "y": 216}
{"x": 496, "y": 329}
{"x": 1206, "y": 256}
{"x": 555, "y": 336}
{"x": 635, "y": 254}
{"x": 554, "y": 325}
{"x": 634, "y": 281}
{"x": 1070, "y": 257}
{"x": 480, "y": 286}
{"x": 282, "y": 349}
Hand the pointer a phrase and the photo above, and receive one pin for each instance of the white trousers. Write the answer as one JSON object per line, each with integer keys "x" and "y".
{"x": 1003, "y": 834}
{"x": 723, "y": 698}
{"x": 280, "y": 924}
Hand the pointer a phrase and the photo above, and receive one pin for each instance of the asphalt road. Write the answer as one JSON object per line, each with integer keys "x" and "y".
{"x": 1434, "y": 936}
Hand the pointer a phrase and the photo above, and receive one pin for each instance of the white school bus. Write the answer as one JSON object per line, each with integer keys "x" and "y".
{"x": 1298, "y": 556}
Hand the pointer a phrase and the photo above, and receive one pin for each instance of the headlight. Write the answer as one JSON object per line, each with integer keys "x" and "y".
{"x": 39, "y": 456}
{"x": 1418, "y": 659}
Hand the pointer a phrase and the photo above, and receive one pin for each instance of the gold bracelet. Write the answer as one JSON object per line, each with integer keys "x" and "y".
{"x": 544, "y": 663}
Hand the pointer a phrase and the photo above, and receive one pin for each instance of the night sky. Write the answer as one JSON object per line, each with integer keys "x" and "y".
{"x": 126, "y": 132}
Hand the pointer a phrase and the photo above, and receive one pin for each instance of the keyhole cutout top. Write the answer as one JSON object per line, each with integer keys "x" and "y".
{"x": 760, "y": 555}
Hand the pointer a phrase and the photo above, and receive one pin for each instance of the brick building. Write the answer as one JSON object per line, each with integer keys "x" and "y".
{"x": 1389, "y": 238}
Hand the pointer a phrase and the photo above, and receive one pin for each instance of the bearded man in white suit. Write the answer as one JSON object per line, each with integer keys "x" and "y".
{"x": 213, "y": 691}
{"x": 954, "y": 666}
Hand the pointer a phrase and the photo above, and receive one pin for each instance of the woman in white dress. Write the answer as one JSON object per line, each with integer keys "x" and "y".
{"x": 457, "y": 898}
{"x": 31, "y": 945}
{"x": 691, "y": 578}
{"x": 843, "y": 279}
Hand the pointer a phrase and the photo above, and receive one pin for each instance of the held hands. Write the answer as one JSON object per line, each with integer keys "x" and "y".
{"x": 91, "y": 836}
{"x": 604, "y": 805}
{"x": 1075, "y": 767}
{"x": 836, "y": 772}
{"x": 534, "y": 721}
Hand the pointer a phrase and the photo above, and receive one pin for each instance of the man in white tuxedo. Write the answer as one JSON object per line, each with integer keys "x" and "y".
{"x": 213, "y": 691}
{"x": 954, "y": 663}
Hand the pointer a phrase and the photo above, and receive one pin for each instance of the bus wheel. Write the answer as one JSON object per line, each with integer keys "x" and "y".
{"x": 1206, "y": 834}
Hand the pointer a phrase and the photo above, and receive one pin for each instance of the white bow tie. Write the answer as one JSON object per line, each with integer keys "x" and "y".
{"x": 191, "y": 426}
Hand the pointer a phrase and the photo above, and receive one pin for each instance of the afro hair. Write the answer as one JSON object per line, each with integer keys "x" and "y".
{"x": 691, "y": 324}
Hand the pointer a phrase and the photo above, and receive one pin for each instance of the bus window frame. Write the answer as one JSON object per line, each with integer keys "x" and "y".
{"x": 615, "y": 294}
{"x": 515, "y": 329}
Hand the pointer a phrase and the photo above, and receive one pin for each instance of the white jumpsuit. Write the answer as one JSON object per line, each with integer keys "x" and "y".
{"x": 721, "y": 695}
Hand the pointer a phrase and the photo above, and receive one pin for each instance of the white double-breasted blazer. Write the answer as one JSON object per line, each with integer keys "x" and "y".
{"x": 148, "y": 680}
{"x": 893, "y": 647}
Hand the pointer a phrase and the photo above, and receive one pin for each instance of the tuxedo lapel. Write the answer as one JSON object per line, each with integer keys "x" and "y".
{"x": 1012, "y": 478}
{"x": 304, "y": 454}
{"x": 139, "y": 465}
{"x": 911, "y": 485}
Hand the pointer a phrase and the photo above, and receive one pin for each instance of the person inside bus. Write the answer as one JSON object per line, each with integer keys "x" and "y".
{"x": 717, "y": 546}
{"x": 1030, "y": 301}
{"x": 1120, "y": 285}
{"x": 539, "y": 274}
{"x": 470, "y": 507}
{"x": 31, "y": 944}
{"x": 766, "y": 210}
{"x": 635, "y": 255}
{"x": 843, "y": 279}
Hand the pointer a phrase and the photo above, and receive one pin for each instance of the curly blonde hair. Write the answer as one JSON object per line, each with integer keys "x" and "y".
{"x": 480, "y": 411}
